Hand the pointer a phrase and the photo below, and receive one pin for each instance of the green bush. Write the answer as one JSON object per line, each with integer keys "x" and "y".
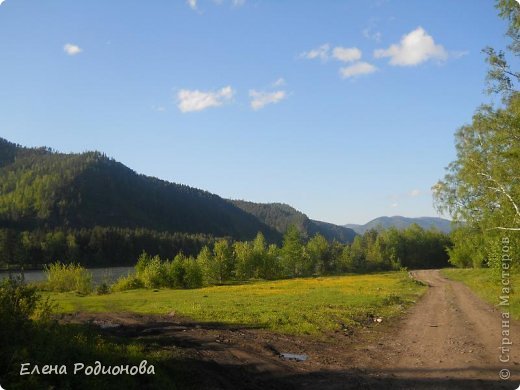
{"x": 103, "y": 289}
{"x": 152, "y": 272}
{"x": 129, "y": 282}
{"x": 19, "y": 306}
{"x": 27, "y": 336}
{"x": 68, "y": 277}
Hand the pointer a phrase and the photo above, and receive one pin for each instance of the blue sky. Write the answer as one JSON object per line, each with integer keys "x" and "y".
{"x": 343, "y": 109}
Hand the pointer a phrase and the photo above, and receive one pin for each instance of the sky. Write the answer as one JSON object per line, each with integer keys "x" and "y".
{"x": 345, "y": 110}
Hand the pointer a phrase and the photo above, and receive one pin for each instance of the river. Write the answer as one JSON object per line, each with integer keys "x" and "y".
{"x": 99, "y": 275}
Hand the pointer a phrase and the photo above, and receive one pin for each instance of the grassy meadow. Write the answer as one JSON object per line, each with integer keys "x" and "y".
{"x": 309, "y": 306}
{"x": 486, "y": 283}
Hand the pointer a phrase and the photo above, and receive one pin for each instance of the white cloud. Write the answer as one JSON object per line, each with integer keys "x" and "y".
{"x": 321, "y": 52}
{"x": 460, "y": 53}
{"x": 357, "y": 69}
{"x": 193, "y": 4}
{"x": 369, "y": 33}
{"x": 260, "y": 99}
{"x": 414, "y": 48}
{"x": 195, "y": 100}
{"x": 394, "y": 205}
{"x": 415, "y": 193}
{"x": 280, "y": 82}
{"x": 72, "y": 49}
{"x": 2, "y": 2}
{"x": 346, "y": 54}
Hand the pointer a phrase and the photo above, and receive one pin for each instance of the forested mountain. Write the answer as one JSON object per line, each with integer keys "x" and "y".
{"x": 401, "y": 223}
{"x": 90, "y": 208}
{"x": 42, "y": 188}
{"x": 280, "y": 216}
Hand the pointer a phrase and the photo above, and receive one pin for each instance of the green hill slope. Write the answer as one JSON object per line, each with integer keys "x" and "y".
{"x": 280, "y": 216}
{"x": 42, "y": 188}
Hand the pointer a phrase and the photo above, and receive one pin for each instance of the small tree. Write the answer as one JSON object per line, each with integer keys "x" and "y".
{"x": 193, "y": 274}
{"x": 317, "y": 250}
{"x": 223, "y": 261}
{"x": 292, "y": 252}
{"x": 206, "y": 262}
{"x": 245, "y": 267}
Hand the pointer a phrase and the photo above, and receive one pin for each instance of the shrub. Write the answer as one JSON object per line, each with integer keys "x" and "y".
{"x": 68, "y": 277}
{"x": 24, "y": 337}
{"x": 103, "y": 289}
{"x": 19, "y": 304}
{"x": 151, "y": 272}
{"x": 129, "y": 282}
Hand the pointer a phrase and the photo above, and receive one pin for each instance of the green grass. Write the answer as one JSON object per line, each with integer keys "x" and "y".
{"x": 487, "y": 285}
{"x": 298, "y": 306}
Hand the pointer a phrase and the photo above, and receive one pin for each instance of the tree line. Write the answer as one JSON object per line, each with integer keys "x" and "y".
{"x": 99, "y": 246}
{"x": 226, "y": 261}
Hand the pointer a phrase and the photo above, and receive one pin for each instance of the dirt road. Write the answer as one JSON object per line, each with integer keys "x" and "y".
{"x": 449, "y": 340}
{"x": 451, "y": 336}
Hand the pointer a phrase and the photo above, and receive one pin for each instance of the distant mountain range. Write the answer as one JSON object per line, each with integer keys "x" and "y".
{"x": 399, "y": 222}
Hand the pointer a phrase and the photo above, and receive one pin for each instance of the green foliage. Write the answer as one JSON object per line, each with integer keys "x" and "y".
{"x": 129, "y": 282}
{"x": 221, "y": 265}
{"x": 28, "y": 335}
{"x": 176, "y": 271}
{"x": 357, "y": 255}
{"x": 18, "y": 304}
{"x": 193, "y": 277}
{"x": 153, "y": 272}
{"x": 467, "y": 250}
{"x": 93, "y": 247}
{"x": 103, "y": 288}
{"x": 205, "y": 259}
{"x": 318, "y": 259}
{"x": 40, "y": 188}
{"x": 281, "y": 216}
{"x": 501, "y": 77}
{"x": 481, "y": 189}
{"x": 68, "y": 277}
{"x": 292, "y": 253}
{"x": 245, "y": 260}
{"x": 95, "y": 210}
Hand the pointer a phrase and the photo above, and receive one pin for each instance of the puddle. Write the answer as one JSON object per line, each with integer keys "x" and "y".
{"x": 105, "y": 324}
{"x": 293, "y": 356}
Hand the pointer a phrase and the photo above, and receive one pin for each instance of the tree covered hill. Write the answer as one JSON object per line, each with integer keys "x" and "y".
{"x": 280, "y": 216}
{"x": 43, "y": 189}
{"x": 401, "y": 223}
